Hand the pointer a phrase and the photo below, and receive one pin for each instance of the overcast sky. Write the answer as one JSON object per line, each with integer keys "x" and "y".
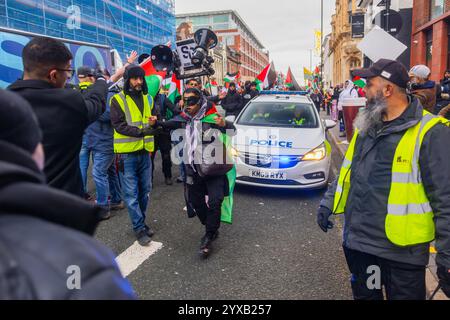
{"x": 285, "y": 27}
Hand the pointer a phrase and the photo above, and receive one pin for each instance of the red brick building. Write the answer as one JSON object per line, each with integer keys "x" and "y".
{"x": 245, "y": 52}
{"x": 430, "y": 36}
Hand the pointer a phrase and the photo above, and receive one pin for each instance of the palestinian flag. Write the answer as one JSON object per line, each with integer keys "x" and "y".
{"x": 289, "y": 83}
{"x": 359, "y": 82}
{"x": 166, "y": 83}
{"x": 153, "y": 77}
{"x": 227, "y": 204}
{"x": 212, "y": 84}
{"x": 262, "y": 80}
{"x": 232, "y": 77}
{"x": 174, "y": 89}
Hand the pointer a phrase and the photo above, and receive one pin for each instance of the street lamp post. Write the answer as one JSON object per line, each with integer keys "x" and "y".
{"x": 321, "y": 43}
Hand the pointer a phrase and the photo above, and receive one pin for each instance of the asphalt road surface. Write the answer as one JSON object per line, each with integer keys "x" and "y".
{"x": 273, "y": 250}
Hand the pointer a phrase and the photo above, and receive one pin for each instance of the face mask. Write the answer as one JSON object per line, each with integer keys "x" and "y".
{"x": 191, "y": 101}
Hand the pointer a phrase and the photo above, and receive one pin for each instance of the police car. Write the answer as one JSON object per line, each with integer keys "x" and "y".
{"x": 281, "y": 142}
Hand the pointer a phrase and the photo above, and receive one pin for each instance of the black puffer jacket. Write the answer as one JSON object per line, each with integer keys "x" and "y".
{"x": 44, "y": 233}
{"x": 232, "y": 103}
{"x": 366, "y": 208}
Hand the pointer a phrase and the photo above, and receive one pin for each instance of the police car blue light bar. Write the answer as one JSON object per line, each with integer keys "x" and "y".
{"x": 287, "y": 93}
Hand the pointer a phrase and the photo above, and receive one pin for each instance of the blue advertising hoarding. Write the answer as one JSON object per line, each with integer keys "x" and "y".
{"x": 12, "y": 43}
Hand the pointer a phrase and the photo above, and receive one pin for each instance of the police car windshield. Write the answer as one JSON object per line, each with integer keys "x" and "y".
{"x": 284, "y": 114}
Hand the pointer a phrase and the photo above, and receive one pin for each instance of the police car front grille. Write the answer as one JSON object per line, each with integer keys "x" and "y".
{"x": 269, "y": 161}
{"x": 270, "y": 182}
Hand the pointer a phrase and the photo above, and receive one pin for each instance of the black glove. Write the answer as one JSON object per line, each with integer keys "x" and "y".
{"x": 323, "y": 215}
{"x": 443, "y": 274}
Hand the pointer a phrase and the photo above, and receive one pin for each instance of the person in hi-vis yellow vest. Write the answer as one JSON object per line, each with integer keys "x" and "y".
{"x": 131, "y": 110}
{"x": 393, "y": 191}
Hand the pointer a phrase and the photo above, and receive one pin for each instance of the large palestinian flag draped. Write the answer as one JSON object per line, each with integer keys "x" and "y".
{"x": 227, "y": 204}
{"x": 262, "y": 80}
{"x": 153, "y": 77}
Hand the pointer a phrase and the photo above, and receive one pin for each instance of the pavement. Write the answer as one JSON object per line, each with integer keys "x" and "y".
{"x": 340, "y": 145}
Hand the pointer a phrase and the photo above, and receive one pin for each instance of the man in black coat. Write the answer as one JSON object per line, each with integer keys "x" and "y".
{"x": 249, "y": 93}
{"x": 232, "y": 103}
{"x": 63, "y": 114}
{"x": 165, "y": 110}
{"x": 46, "y": 244}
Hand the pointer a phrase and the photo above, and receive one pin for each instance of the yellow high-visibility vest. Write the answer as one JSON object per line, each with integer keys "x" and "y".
{"x": 134, "y": 117}
{"x": 84, "y": 85}
{"x": 409, "y": 218}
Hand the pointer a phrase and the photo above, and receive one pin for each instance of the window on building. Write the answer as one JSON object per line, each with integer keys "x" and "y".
{"x": 436, "y": 8}
{"x": 229, "y": 40}
{"x": 223, "y": 18}
{"x": 350, "y": 10}
{"x": 221, "y": 26}
{"x": 429, "y": 47}
{"x": 201, "y": 20}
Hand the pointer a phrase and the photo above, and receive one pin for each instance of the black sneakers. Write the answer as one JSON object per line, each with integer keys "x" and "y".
{"x": 169, "y": 181}
{"x": 143, "y": 238}
{"x": 104, "y": 214}
{"x": 149, "y": 231}
{"x": 206, "y": 242}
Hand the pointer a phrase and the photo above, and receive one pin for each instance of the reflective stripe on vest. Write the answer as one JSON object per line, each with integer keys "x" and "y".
{"x": 299, "y": 122}
{"x": 409, "y": 219}
{"x": 134, "y": 117}
{"x": 84, "y": 85}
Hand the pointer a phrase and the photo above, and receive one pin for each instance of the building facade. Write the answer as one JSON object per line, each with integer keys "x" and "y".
{"x": 328, "y": 62}
{"x": 401, "y": 20}
{"x": 346, "y": 55}
{"x": 244, "y": 51}
{"x": 430, "y": 36}
{"x": 123, "y": 25}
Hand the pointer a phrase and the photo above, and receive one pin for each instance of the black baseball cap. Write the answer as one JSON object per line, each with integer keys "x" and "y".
{"x": 390, "y": 70}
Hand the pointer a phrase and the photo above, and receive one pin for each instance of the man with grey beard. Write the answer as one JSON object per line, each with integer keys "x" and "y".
{"x": 394, "y": 191}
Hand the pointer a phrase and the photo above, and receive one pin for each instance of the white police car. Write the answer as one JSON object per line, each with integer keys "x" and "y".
{"x": 281, "y": 142}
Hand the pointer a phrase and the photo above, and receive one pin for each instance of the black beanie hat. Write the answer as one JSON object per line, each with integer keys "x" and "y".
{"x": 18, "y": 123}
{"x": 134, "y": 71}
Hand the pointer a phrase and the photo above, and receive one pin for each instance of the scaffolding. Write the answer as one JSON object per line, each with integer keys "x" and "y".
{"x": 123, "y": 25}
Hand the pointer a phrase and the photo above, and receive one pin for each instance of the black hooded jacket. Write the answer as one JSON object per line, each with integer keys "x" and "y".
{"x": 64, "y": 115}
{"x": 44, "y": 233}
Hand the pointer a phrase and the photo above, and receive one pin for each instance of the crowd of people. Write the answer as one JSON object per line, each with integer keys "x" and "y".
{"x": 49, "y": 131}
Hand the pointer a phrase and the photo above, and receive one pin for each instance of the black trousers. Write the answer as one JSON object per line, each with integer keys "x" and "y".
{"x": 401, "y": 281}
{"x": 164, "y": 145}
{"x": 208, "y": 213}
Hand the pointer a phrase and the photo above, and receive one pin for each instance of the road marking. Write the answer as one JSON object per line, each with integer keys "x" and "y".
{"x": 134, "y": 256}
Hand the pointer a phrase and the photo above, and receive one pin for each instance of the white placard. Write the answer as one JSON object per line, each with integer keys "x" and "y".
{"x": 185, "y": 48}
{"x": 378, "y": 44}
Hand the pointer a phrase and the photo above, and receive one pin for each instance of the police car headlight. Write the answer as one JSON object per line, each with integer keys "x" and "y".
{"x": 234, "y": 152}
{"x": 317, "y": 154}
